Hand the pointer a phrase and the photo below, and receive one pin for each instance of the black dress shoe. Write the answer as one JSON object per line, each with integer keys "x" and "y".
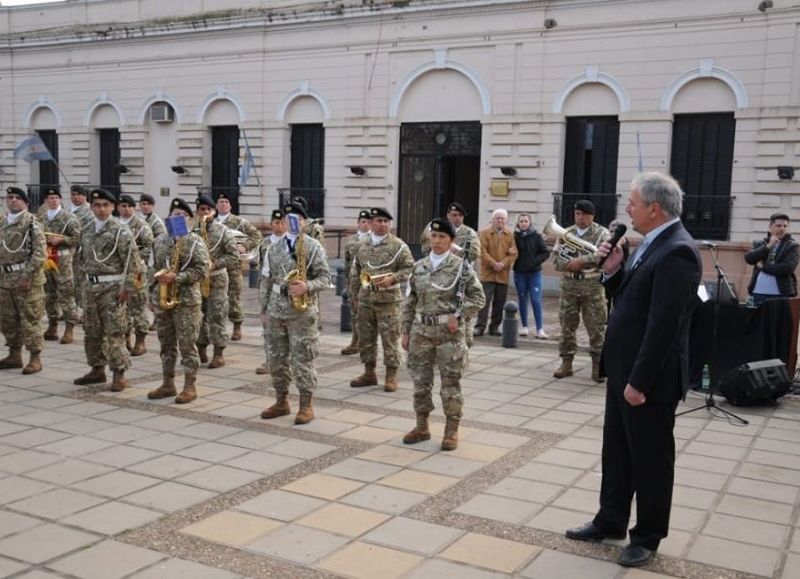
{"x": 635, "y": 556}
{"x": 590, "y": 532}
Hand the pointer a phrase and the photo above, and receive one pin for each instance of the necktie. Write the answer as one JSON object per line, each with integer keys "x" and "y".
{"x": 637, "y": 257}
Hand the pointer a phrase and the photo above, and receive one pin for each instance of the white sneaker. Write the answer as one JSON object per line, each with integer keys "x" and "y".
{"x": 523, "y": 331}
{"x": 541, "y": 335}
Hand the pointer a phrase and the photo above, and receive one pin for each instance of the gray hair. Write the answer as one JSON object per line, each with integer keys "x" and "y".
{"x": 497, "y": 212}
{"x": 655, "y": 187}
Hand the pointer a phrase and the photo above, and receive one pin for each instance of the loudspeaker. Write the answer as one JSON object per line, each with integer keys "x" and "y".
{"x": 755, "y": 383}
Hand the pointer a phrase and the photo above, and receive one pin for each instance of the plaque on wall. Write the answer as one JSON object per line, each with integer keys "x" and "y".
{"x": 499, "y": 188}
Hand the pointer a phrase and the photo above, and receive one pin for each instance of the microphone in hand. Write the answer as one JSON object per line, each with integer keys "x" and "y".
{"x": 619, "y": 231}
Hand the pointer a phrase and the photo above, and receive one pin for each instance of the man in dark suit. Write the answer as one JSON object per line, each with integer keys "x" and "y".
{"x": 645, "y": 356}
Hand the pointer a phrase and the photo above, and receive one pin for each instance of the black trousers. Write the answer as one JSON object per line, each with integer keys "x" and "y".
{"x": 638, "y": 457}
{"x": 496, "y": 294}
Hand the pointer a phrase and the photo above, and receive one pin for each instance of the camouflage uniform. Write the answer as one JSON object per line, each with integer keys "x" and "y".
{"x": 293, "y": 335}
{"x": 137, "y": 303}
{"x": 379, "y": 310}
{"x": 431, "y": 297}
{"x": 265, "y": 288}
{"x": 235, "y": 282}
{"x": 581, "y": 294}
{"x": 315, "y": 230}
{"x": 60, "y": 282}
{"x": 224, "y": 256}
{"x": 22, "y": 255}
{"x": 86, "y": 218}
{"x": 350, "y": 249}
{"x": 178, "y": 327}
{"x": 156, "y": 224}
{"x": 105, "y": 256}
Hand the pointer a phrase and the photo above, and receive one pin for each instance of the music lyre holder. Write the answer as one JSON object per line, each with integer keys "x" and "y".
{"x": 710, "y": 403}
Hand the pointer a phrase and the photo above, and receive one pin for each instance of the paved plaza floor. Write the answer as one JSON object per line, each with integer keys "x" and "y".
{"x": 102, "y": 485}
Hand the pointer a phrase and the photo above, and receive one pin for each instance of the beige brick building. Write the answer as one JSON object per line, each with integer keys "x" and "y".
{"x": 413, "y": 103}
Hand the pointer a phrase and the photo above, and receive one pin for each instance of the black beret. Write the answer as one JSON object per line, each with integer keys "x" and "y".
{"x": 443, "y": 226}
{"x": 128, "y": 200}
{"x": 52, "y": 191}
{"x": 100, "y": 193}
{"x": 205, "y": 200}
{"x": 223, "y": 195}
{"x": 21, "y": 193}
{"x": 277, "y": 214}
{"x": 295, "y": 208}
{"x": 78, "y": 189}
{"x": 145, "y": 198}
{"x": 585, "y": 206}
{"x": 364, "y": 214}
{"x": 380, "y": 212}
{"x": 179, "y": 203}
{"x": 301, "y": 201}
{"x": 455, "y": 206}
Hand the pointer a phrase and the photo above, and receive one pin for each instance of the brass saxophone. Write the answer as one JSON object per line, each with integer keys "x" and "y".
{"x": 205, "y": 283}
{"x": 299, "y": 303}
{"x": 168, "y": 292}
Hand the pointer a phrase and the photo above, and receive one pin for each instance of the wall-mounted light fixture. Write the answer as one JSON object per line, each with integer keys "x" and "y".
{"x": 765, "y": 5}
{"x": 358, "y": 171}
{"x": 121, "y": 168}
{"x": 508, "y": 171}
{"x": 550, "y": 23}
{"x": 179, "y": 170}
{"x": 785, "y": 173}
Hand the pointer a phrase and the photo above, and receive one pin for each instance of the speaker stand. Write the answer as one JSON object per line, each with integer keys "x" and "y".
{"x": 711, "y": 404}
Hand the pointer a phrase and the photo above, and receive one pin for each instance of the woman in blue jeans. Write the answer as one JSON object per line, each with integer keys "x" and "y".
{"x": 532, "y": 253}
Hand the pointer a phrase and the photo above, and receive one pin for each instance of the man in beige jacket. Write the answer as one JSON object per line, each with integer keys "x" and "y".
{"x": 498, "y": 253}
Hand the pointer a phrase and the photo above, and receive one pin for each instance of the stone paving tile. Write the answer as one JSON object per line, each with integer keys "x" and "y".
{"x": 231, "y": 528}
{"x": 364, "y": 561}
{"x": 733, "y": 555}
{"x": 14, "y": 488}
{"x": 420, "y": 482}
{"x": 770, "y": 474}
{"x": 9, "y": 567}
{"x": 527, "y": 490}
{"x": 180, "y": 569}
{"x": 448, "y": 465}
{"x": 124, "y": 433}
{"x": 746, "y": 530}
{"x": 11, "y": 523}
{"x": 169, "y": 496}
{"x": 107, "y": 560}
{"x": 548, "y": 473}
{"x": 438, "y": 569}
{"x": 496, "y": 508}
{"x": 44, "y": 542}
{"x": 393, "y": 455}
{"x": 32, "y": 437}
{"x": 764, "y": 490}
{"x": 343, "y": 519}
{"x": 265, "y": 463}
{"x": 281, "y": 505}
{"x": 384, "y": 499}
{"x": 557, "y": 520}
{"x": 411, "y": 535}
{"x": 209, "y": 431}
{"x": 56, "y": 503}
{"x": 302, "y": 545}
{"x": 219, "y": 478}
{"x": 568, "y": 458}
{"x": 555, "y": 565}
{"x": 792, "y": 566}
{"x": 26, "y": 460}
{"x": 754, "y": 509}
{"x": 212, "y": 451}
{"x": 323, "y": 486}
{"x": 301, "y": 449}
{"x": 168, "y": 466}
{"x": 112, "y": 518}
{"x": 490, "y": 552}
{"x": 165, "y": 442}
{"x": 68, "y": 471}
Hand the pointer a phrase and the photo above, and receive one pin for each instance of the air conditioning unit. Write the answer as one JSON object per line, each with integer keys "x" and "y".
{"x": 162, "y": 113}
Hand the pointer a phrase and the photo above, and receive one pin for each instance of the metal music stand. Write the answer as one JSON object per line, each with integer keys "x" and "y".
{"x": 710, "y": 403}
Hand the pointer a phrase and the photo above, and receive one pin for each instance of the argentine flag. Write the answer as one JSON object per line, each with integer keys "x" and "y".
{"x": 33, "y": 149}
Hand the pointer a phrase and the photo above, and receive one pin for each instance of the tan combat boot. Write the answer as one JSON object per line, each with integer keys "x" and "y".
{"x": 218, "y": 360}
{"x": 34, "y": 365}
{"x": 166, "y": 390}
{"x": 280, "y": 408}
{"x": 139, "y": 347}
{"x": 118, "y": 381}
{"x": 391, "y": 380}
{"x": 261, "y": 370}
{"x": 203, "y": 351}
{"x": 189, "y": 391}
{"x": 13, "y": 360}
{"x": 351, "y": 348}
{"x": 450, "y": 440}
{"x": 420, "y": 432}
{"x": 67, "y": 338}
{"x": 97, "y": 375}
{"x": 236, "y": 335}
{"x": 51, "y": 333}
{"x": 596, "y": 370}
{"x": 565, "y": 369}
{"x": 306, "y": 412}
{"x": 368, "y": 378}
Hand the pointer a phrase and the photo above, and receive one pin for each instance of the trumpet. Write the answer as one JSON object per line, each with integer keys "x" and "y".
{"x": 571, "y": 245}
{"x": 367, "y": 280}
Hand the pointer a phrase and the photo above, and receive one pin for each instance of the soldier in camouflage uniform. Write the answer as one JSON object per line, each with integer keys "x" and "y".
{"x": 147, "y": 206}
{"x": 250, "y": 238}
{"x": 314, "y": 227}
{"x": 63, "y": 236}
{"x": 83, "y": 212}
{"x": 112, "y": 266}
{"x": 223, "y": 254}
{"x": 581, "y": 292}
{"x": 293, "y": 334}
{"x": 264, "y": 288}
{"x": 441, "y": 292}
{"x": 387, "y": 259}
{"x": 137, "y": 303}
{"x": 22, "y": 255}
{"x": 184, "y": 262}
{"x": 350, "y": 248}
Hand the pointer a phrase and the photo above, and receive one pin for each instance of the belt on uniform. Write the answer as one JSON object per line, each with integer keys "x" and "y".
{"x": 433, "y": 319}
{"x": 64, "y": 252}
{"x": 111, "y": 278}
{"x": 8, "y": 268}
{"x": 374, "y": 288}
{"x": 582, "y": 275}
{"x": 217, "y": 272}
{"x": 280, "y": 290}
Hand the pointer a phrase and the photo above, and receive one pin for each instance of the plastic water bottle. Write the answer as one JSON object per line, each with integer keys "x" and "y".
{"x": 706, "y": 380}
{"x": 750, "y": 303}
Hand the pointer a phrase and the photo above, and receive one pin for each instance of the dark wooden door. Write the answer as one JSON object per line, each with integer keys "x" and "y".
{"x": 109, "y": 160}
{"x": 48, "y": 171}
{"x": 307, "y": 177}
{"x": 225, "y": 163}
{"x": 702, "y": 162}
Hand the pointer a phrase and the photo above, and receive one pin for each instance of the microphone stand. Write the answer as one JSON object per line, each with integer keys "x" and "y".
{"x": 710, "y": 403}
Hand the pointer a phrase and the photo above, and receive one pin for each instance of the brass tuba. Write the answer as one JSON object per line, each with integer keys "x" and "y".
{"x": 570, "y": 246}
{"x": 168, "y": 292}
{"x": 299, "y": 303}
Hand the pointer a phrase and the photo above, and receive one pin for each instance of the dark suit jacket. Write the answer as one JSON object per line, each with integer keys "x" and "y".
{"x": 783, "y": 266}
{"x": 647, "y": 339}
